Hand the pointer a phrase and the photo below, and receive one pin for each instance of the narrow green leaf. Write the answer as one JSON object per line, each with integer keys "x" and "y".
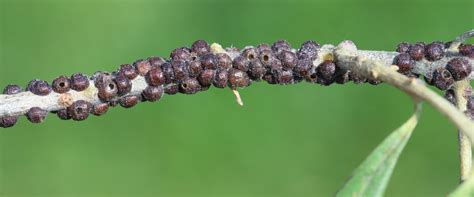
{"x": 372, "y": 176}
{"x": 465, "y": 189}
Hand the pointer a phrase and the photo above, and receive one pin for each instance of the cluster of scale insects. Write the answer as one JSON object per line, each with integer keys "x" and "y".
{"x": 195, "y": 69}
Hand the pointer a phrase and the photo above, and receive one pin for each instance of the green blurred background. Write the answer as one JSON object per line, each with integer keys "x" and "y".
{"x": 298, "y": 140}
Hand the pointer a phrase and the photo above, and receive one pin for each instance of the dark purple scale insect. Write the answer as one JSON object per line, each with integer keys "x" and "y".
{"x": 195, "y": 68}
{"x": 266, "y": 57}
{"x": 288, "y": 59}
{"x": 12, "y": 89}
{"x": 241, "y": 63}
{"x": 467, "y": 50}
{"x": 256, "y": 70}
{"x": 36, "y": 115}
{"x": 79, "y": 82}
{"x": 168, "y": 72}
{"x": 39, "y": 87}
{"x": 434, "y": 51}
{"x": 171, "y": 88}
{"x": 280, "y": 46}
{"x": 10, "y": 121}
{"x": 417, "y": 51}
{"x": 180, "y": 69}
{"x": 200, "y": 47}
{"x": 63, "y": 114}
{"x": 182, "y": 53}
{"x": 326, "y": 72}
{"x": 308, "y": 50}
{"x": 342, "y": 77}
{"x": 283, "y": 77}
{"x": 403, "y": 47}
{"x": 61, "y": 84}
{"x": 404, "y": 62}
{"x": 459, "y": 68}
{"x": 442, "y": 79}
{"x": 208, "y": 61}
{"x": 220, "y": 79}
{"x": 224, "y": 61}
{"x": 450, "y": 96}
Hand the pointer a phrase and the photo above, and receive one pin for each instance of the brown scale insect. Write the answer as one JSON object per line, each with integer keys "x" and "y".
{"x": 283, "y": 77}
{"x": 189, "y": 86}
{"x": 100, "y": 109}
{"x": 107, "y": 89}
{"x": 200, "y": 47}
{"x": 156, "y": 61}
{"x": 459, "y": 68}
{"x": 220, "y": 79}
{"x": 128, "y": 70}
{"x": 238, "y": 79}
{"x": 206, "y": 77}
{"x": 404, "y": 62}
{"x": 142, "y": 66}
{"x": 63, "y": 115}
{"x": 128, "y": 101}
{"x": 152, "y": 93}
{"x": 266, "y": 57}
{"x": 182, "y": 53}
{"x": 180, "y": 69}
{"x": 155, "y": 77}
{"x": 124, "y": 85}
{"x": 442, "y": 79}
{"x": 208, "y": 61}
{"x": 79, "y": 110}
{"x": 194, "y": 68}
{"x": 36, "y": 115}
{"x": 168, "y": 72}
{"x": 224, "y": 61}
{"x": 241, "y": 63}
{"x": 250, "y": 53}
{"x": 256, "y": 70}
{"x": 434, "y": 51}
{"x": 417, "y": 51}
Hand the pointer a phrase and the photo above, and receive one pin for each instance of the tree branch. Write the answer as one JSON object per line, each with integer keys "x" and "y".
{"x": 462, "y": 89}
{"x": 348, "y": 57}
{"x": 369, "y": 64}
